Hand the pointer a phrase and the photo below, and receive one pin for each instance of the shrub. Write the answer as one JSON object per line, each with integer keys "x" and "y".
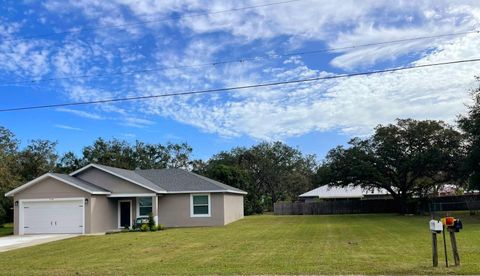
{"x": 154, "y": 228}
{"x": 160, "y": 227}
{"x": 151, "y": 222}
{"x": 3, "y": 216}
{"x": 144, "y": 228}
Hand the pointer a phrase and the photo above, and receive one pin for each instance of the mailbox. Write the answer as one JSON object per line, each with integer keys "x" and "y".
{"x": 448, "y": 221}
{"x": 436, "y": 226}
{"x": 457, "y": 225}
{"x": 453, "y": 224}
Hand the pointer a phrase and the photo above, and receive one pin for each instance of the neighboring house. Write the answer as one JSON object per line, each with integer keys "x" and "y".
{"x": 350, "y": 192}
{"x": 449, "y": 190}
{"x": 96, "y": 199}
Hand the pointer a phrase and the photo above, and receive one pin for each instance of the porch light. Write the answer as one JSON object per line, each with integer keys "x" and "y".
{"x": 16, "y": 203}
{"x": 86, "y": 201}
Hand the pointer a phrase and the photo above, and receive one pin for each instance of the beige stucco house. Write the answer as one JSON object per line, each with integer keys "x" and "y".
{"x": 96, "y": 199}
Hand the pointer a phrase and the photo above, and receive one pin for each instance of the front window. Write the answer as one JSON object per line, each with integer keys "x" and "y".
{"x": 144, "y": 206}
{"x": 200, "y": 205}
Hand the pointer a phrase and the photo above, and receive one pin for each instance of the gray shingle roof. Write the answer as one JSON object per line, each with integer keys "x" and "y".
{"x": 168, "y": 180}
{"x": 178, "y": 180}
{"x": 81, "y": 183}
{"x": 158, "y": 180}
{"x": 133, "y": 177}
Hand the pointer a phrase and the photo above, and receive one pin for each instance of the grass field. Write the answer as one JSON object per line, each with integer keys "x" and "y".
{"x": 348, "y": 244}
{"x": 6, "y": 230}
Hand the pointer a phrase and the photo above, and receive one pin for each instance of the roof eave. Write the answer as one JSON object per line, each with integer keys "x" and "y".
{"x": 214, "y": 182}
{"x": 40, "y": 178}
{"x": 207, "y": 191}
{"x": 115, "y": 174}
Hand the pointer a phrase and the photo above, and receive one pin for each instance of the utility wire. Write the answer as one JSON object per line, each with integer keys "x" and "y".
{"x": 152, "y": 21}
{"x": 227, "y": 89}
{"x": 236, "y": 60}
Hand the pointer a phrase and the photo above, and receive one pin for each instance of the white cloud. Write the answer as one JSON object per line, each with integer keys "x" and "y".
{"x": 24, "y": 59}
{"x": 129, "y": 135}
{"x": 352, "y": 105}
{"x": 67, "y": 127}
{"x": 80, "y": 113}
{"x": 135, "y": 122}
{"x": 362, "y": 57}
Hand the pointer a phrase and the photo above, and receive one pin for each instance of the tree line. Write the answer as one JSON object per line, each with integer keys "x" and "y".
{"x": 408, "y": 158}
{"x": 267, "y": 171}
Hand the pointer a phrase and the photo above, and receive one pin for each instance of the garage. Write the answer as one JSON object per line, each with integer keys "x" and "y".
{"x": 58, "y": 216}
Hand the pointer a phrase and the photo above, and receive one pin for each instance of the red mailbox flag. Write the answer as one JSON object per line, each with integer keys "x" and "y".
{"x": 448, "y": 221}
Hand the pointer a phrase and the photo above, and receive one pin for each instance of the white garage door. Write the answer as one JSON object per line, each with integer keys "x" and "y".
{"x": 53, "y": 216}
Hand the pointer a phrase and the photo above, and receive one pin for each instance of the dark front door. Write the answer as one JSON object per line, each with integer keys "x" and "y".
{"x": 125, "y": 213}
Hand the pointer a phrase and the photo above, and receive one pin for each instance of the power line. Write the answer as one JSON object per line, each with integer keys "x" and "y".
{"x": 227, "y": 89}
{"x": 237, "y": 60}
{"x": 152, "y": 21}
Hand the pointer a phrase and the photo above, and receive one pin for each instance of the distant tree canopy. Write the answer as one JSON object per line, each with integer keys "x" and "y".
{"x": 9, "y": 179}
{"x": 17, "y": 167}
{"x": 470, "y": 124}
{"x": 40, "y": 156}
{"x": 407, "y": 158}
{"x": 268, "y": 172}
{"x": 120, "y": 154}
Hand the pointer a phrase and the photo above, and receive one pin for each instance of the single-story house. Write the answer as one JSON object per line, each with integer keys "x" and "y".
{"x": 327, "y": 192}
{"x": 96, "y": 199}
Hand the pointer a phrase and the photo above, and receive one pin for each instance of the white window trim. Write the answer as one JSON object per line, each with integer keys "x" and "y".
{"x": 118, "y": 212}
{"x": 200, "y": 215}
{"x": 138, "y": 205}
{"x": 21, "y": 230}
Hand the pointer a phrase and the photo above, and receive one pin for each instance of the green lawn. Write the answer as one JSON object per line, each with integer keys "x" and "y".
{"x": 348, "y": 244}
{"x": 6, "y": 230}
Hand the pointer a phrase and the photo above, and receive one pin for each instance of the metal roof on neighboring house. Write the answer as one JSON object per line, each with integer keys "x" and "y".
{"x": 350, "y": 191}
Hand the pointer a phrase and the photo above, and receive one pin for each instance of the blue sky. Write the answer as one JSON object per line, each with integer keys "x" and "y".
{"x": 313, "y": 116}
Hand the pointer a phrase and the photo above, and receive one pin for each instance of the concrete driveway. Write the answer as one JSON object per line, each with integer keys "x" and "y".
{"x": 14, "y": 242}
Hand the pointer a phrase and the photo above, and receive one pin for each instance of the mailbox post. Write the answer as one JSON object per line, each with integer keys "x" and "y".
{"x": 445, "y": 247}
{"x": 452, "y": 229}
{"x": 451, "y": 225}
{"x": 453, "y": 241}
{"x": 434, "y": 249}
{"x": 435, "y": 227}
